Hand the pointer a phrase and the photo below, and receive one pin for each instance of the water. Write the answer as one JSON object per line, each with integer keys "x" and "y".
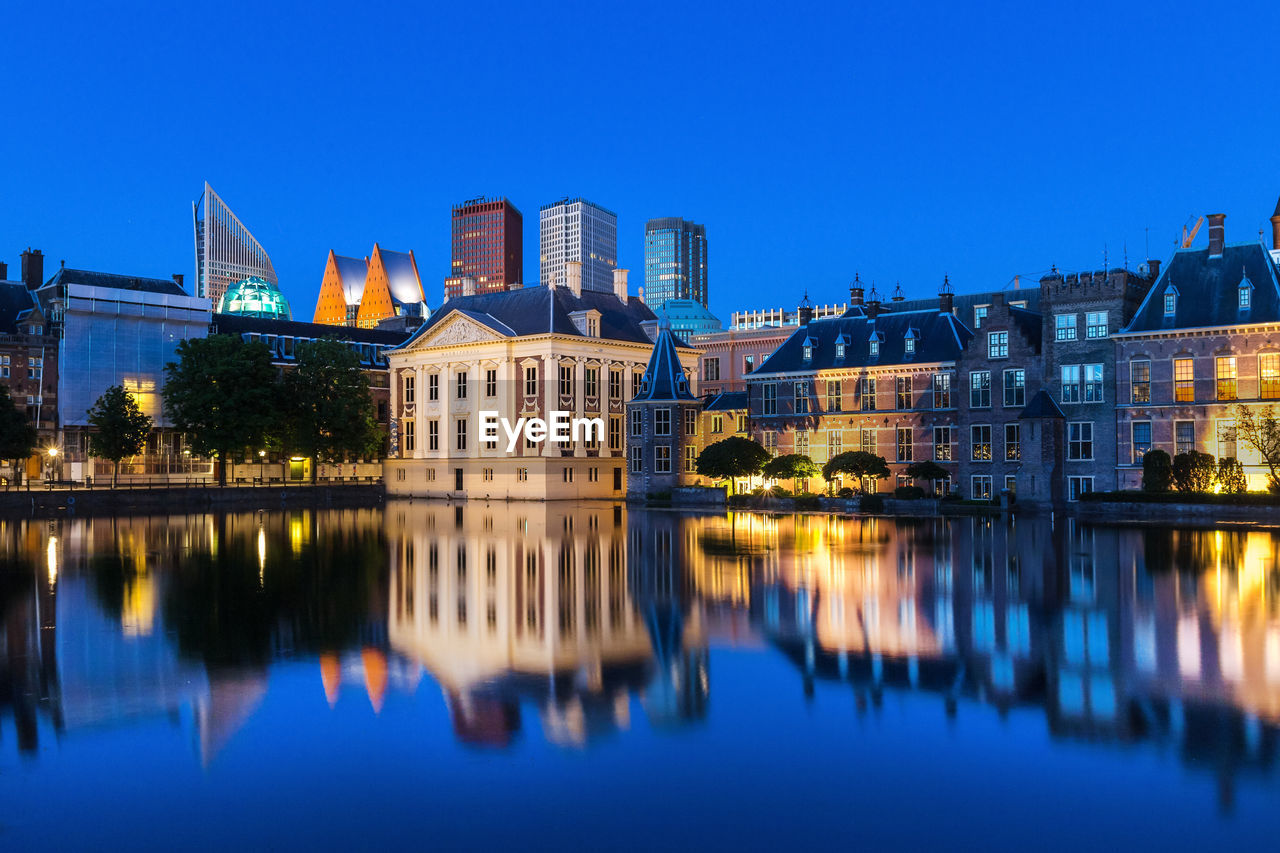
{"x": 564, "y": 677}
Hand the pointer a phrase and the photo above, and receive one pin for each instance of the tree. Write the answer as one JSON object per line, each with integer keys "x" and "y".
{"x": 1262, "y": 430}
{"x": 327, "y": 408}
{"x": 121, "y": 428}
{"x": 1157, "y": 471}
{"x": 791, "y": 466}
{"x": 1193, "y": 471}
{"x": 927, "y": 470}
{"x": 731, "y": 458}
{"x": 223, "y": 393}
{"x": 17, "y": 434}
{"x": 1230, "y": 477}
{"x": 859, "y": 464}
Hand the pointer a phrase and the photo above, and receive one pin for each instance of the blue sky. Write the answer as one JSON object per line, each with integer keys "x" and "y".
{"x": 902, "y": 140}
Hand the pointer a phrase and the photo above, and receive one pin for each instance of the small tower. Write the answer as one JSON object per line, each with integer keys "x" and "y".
{"x": 661, "y": 422}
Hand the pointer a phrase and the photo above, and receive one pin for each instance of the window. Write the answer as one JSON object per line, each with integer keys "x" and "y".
{"x": 1012, "y": 441}
{"x": 407, "y": 396}
{"x": 1015, "y": 388}
{"x": 1093, "y": 383}
{"x": 748, "y": 364}
{"x": 433, "y": 387}
{"x": 690, "y": 421}
{"x": 462, "y": 384}
{"x": 1011, "y": 483}
{"x": 903, "y": 395}
{"x": 770, "y": 440}
{"x": 637, "y": 422}
{"x": 1140, "y": 381}
{"x": 1080, "y": 441}
{"x": 711, "y": 370}
{"x": 1184, "y": 436}
{"x": 1064, "y": 327}
{"x": 662, "y": 422}
{"x": 942, "y": 438}
{"x": 1095, "y": 324}
{"x": 637, "y": 380}
{"x": 835, "y": 443}
{"x": 531, "y": 381}
{"x": 904, "y": 444}
{"x": 486, "y": 475}
{"x": 1170, "y": 301}
{"x": 717, "y": 424}
{"x": 567, "y": 473}
{"x": 1141, "y": 440}
{"x": 802, "y": 442}
{"x": 1226, "y": 439}
{"x": 615, "y": 384}
{"x": 1226, "y": 376}
{"x": 833, "y": 396}
{"x": 801, "y": 391}
{"x": 997, "y": 344}
{"x": 981, "y": 487}
{"x": 874, "y": 345}
{"x": 637, "y": 459}
{"x": 566, "y": 380}
{"x": 410, "y": 436}
{"x": 769, "y": 399}
{"x": 942, "y": 390}
{"x": 690, "y": 459}
{"x": 1077, "y": 486}
{"x": 1184, "y": 390}
{"x": 460, "y": 434}
{"x": 840, "y": 346}
{"x": 909, "y": 344}
{"x": 491, "y": 383}
{"x": 980, "y": 314}
{"x": 591, "y": 382}
{"x": 742, "y": 423}
{"x": 868, "y": 393}
{"x": 980, "y": 442}
{"x": 662, "y": 459}
{"x": 39, "y": 330}
{"x": 1071, "y": 383}
{"x": 808, "y": 349}
{"x": 980, "y": 389}
{"x": 867, "y": 441}
{"x": 433, "y": 435}
{"x": 1269, "y": 375}
{"x": 615, "y": 432}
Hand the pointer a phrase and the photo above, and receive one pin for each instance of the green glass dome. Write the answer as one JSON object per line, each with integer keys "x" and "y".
{"x": 255, "y": 297}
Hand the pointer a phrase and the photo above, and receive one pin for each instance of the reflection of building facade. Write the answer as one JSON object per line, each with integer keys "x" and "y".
{"x": 225, "y": 250}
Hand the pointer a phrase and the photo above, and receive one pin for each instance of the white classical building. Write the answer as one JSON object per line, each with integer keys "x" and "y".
{"x": 520, "y": 354}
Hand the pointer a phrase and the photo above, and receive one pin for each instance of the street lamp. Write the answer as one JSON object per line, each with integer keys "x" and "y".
{"x": 53, "y": 458}
{"x": 261, "y": 459}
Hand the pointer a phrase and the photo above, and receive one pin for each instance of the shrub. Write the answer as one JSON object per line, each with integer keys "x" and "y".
{"x": 871, "y": 503}
{"x": 779, "y": 492}
{"x": 1193, "y": 471}
{"x": 908, "y": 493}
{"x": 1231, "y": 477}
{"x": 1157, "y": 471}
{"x": 846, "y": 492}
{"x": 808, "y": 502}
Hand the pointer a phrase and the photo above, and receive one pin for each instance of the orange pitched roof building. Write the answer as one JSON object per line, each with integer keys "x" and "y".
{"x": 362, "y": 291}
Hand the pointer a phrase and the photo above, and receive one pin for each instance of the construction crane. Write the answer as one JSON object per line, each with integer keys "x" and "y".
{"x": 1188, "y": 237}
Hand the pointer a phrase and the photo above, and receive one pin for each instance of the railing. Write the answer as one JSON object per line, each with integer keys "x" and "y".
{"x": 136, "y": 483}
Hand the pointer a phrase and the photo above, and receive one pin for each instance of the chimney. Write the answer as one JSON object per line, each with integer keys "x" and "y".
{"x": 573, "y": 277}
{"x": 1153, "y": 269}
{"x": 855, "y": 291}
{"x": 805, "y": 311}
{"x": 1217, "y": 234}
{"x": 32, "y": 268}
{"x": 620, "y": 285}
{"x": 873, "y": 303}
{"x": 4, "y": 271}
{"x": 177, "y": 279}
{"x": 468, "y": 287}
{"x": 1275, "y": 228}
{"x": 946, "y": 298}
{"x": 897, "y": 294}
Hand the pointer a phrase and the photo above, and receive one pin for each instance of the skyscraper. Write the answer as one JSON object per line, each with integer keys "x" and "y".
{"x": 225, "y": 250}
{"x": 577, "y": 230}
{"x": 488, "y": 246}
{"x": 675, "y": 260}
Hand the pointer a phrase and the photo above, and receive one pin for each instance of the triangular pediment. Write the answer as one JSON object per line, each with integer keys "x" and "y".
{"x": 455, "y": 329}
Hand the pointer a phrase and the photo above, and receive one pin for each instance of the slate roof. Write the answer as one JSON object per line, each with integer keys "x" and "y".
{"x": 664, "y": 378}
{"x": 964, "y": 302}
{"x": 938, "y": 336}
{"x": 235, "y": 324}
{"x": 725, "y": 401}
{"x": 1207, "y": 290}
{"x": 1041, "y": 406}
{"x": 543, "y": 310}
{"x": 15, "y": 302}
{"x": 66, "y": 275}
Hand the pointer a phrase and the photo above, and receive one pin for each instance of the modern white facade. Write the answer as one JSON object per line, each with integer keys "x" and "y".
{"x": 577, "y": 230}
{"x": 225, "y": 250}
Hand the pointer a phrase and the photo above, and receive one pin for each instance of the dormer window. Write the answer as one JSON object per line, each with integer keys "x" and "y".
{"x": 1245, "y": 292}
{"x": 587, "y": 322}
{"x": 909, "y": 342}
{"x": 1244, "y": 298}
{"x": 1170, "y": 301}
{"x": 808, "y": 349}
{"x": 874, "y": 344}
{"x": 840, "y": 346}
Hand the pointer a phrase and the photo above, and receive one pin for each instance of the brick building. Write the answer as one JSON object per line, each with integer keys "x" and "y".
{"x": 29, "y": 356}
{"x": 662, "y": 423}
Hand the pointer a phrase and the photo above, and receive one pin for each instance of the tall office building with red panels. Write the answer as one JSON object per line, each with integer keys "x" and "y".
{"x": 488, "y": 247}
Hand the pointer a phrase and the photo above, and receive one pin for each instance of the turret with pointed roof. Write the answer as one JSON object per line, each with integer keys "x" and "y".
{"x": 664, "y": 379}
{"x": 662, "y": 422}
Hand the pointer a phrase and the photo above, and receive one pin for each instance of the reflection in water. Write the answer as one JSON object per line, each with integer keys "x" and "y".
{"x": 560, "y": 622}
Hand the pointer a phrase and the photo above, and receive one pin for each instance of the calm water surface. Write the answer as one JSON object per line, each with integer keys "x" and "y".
{"x": 564, "y": 677}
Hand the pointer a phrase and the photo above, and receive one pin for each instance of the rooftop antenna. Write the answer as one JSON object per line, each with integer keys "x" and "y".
{"x": 1126, "y": 253}
{"x": 1147, "y": 247}
{"x": 1105, "y": 260}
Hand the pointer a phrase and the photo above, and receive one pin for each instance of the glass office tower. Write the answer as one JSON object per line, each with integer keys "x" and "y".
{"x": 675, "y": 261}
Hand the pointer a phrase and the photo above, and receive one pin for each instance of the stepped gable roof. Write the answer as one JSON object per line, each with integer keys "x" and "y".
{"x": 353, "y": 272}
{"x": 664, "y": 378}
{"x": 725, "y": 401}
{"x": 1207, "y": 290}
{"x": 938, "y": 337}
{"x": 1041, "y": 406}
{"x": 544, "y": 310}
{"x": 1029, "y": 323}
{"x": 66, "y": 275}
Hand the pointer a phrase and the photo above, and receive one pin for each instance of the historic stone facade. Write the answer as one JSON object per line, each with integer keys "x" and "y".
{"x": 662, "y": 424}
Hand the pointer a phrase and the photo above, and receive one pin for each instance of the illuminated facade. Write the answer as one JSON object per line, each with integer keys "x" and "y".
{"x": 364, "y": 292}
{"x": 675, "y": 261}
{"x": 225, "y": 250}
{"x": 575, "y": 230}
{"x": 255, "y": 297}
{"x": 487, "y": 239}
{"x": 29, "y": 355}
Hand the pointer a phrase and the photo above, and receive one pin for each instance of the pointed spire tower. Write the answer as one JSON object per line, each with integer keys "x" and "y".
{"x": 662, "y": 423}
{"x": 664, "y": 379}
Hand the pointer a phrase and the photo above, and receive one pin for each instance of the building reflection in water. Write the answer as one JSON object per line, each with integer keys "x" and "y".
{"x": 565, "y": 620}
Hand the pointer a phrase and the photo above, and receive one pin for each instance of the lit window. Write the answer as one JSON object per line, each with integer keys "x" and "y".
{"x": 980, "y": 389}
{"x": 1064, "y": 326}
{"x": 1226, "y": 376}
{"x": 1269, "y": 375}
{"x": 1141, "y": 440}
{"x": 1246, "y": 294}
{"x": 1184, "y": 390}
{"x": 997, "y": 345}
{"x": 1140, "y": 381}
{"x": 1170, "y": 302}
{"x": 1095, "y": 323}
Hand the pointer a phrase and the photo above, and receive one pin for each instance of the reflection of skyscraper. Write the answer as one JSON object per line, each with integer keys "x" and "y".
{"x": 225, "y": 250}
